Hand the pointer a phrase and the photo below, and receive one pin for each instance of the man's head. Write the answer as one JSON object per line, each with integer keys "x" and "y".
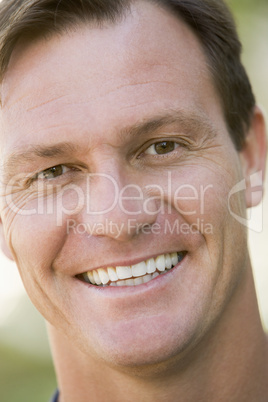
{"x": 147, "y": 106}
{"x": 210, "y": 20}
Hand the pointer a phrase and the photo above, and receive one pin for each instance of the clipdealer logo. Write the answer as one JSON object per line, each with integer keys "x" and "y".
{"x": 132, "y": 200}
{"x": 131, "y": 226}
{"x": 70, "y": 200}
{"x": 254, "y": 219}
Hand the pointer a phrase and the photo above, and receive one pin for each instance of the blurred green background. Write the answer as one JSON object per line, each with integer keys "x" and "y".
{"x": 26, "y": 371}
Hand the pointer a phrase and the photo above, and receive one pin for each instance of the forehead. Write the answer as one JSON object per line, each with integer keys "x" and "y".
{"x": 95, "y": 78}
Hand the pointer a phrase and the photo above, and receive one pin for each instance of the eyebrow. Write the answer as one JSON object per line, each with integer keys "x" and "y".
{"x": 194, "y": 122}
{"x": 187, "y": 121}
{"x": 17, "y": 159}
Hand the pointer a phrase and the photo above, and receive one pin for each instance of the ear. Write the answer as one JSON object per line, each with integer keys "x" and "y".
{"x": 3, "y": 243}
{"x": 253, "y": 159}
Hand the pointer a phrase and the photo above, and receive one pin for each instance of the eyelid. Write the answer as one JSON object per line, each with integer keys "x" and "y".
{"x": 34, "y": 178}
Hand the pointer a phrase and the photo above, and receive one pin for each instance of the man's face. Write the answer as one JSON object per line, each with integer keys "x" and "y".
{"x": 126, "y": 104}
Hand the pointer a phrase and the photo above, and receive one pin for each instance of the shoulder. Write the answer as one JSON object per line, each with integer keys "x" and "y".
{"x": 55, "y": 397}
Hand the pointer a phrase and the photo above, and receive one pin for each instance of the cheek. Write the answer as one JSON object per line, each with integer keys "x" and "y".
{"x": 35, "y": 241}
{"x": 200, "y": 193}
{"x": 35, "y": 224}
{"x": 212, "y": 180}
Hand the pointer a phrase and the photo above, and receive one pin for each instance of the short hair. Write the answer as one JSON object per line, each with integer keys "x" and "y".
{"x": 210, "y": 20}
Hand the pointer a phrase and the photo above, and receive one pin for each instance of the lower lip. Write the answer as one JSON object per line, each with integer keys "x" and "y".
{"x": 161, "y": 279}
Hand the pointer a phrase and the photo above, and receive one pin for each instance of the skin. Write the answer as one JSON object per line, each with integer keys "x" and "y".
{"x": 176, "y": 337}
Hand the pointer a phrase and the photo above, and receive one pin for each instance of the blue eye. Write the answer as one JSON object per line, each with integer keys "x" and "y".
{"x": 161, "y": 148}
{"x": 53, "y": 172}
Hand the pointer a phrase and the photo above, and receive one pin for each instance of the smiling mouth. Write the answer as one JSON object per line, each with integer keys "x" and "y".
{"x": 133, "y": 275}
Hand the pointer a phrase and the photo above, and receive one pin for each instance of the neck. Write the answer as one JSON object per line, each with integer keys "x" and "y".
{"x": 231, "y": 359}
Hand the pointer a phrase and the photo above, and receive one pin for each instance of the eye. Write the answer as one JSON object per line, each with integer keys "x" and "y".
{"x": 161, "y": 148}
{"x": 53, "y": 172}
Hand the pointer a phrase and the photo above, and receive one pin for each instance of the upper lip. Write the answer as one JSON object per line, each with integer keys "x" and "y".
{"x": 79, "y": 258}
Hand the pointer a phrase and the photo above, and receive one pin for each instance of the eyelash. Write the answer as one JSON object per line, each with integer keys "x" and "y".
{"x": 64, "y": 170}
{"x": 178, "y": 144}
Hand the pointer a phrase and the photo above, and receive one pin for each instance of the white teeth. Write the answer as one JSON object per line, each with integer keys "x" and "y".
{"x": 174, "y": 259}
{"x": 133, "y": 275}
{"x": 104, "y": 277}
{"x": 112, "y": 274}
{"x": 139, "y": 269}
{"x": 146, "y": 278}
{"x": 96, "y": 277}
{"x": 150, "y": 266}
{"x": 168, "y": 263}
{"x": 138, "y": 281}
{"x": 91, "y": 277}
{"x": 124, "y": 272}
{"x": 129, "y": 282}
{"x": 160, "y": 263}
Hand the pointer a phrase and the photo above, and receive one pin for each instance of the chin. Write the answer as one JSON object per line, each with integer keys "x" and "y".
{"x": 142, "y": 344}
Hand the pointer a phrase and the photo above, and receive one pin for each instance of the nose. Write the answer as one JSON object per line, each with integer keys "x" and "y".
{"x": 117, "y": 206}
